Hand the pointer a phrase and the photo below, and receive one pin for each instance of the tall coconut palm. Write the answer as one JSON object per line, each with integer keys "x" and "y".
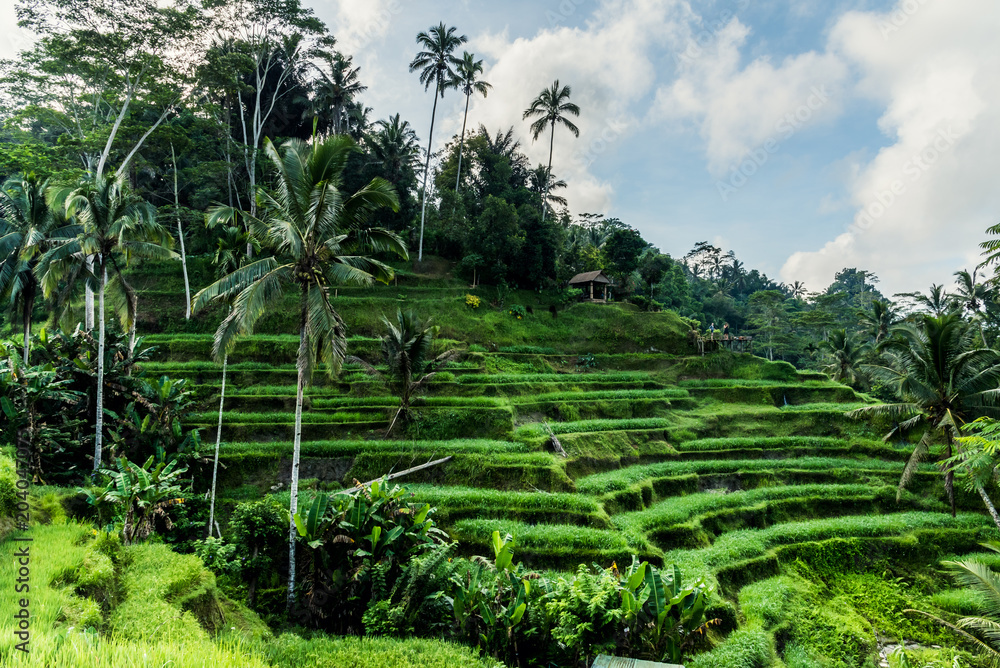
{"x": 937, "y": 302}
{"x": 26, "y": 226}
{"x": 467, "y": 79}
{"x": 945, "y": 380}
{"x": 846, "y": 353}
{"x": 406, "y": 350}
{"x": 339, "y": 84}
{"x": 116, "y": 226}
{"x": 879, "y": 319}
{"x": 551, "y": 107}
{"x": 394, "y": 147}
{"x": 542, "y": 182}
{"x": 321, "y": 236}
{"x": 435, "y": 64}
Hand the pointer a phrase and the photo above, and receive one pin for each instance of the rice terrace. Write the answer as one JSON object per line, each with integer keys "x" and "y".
{"x": 289, "y": 380}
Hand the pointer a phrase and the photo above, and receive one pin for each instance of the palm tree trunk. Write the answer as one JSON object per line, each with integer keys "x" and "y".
{"x": 296, "y": 449}
{"x": 548, "y": 175}
{"x": 461, "y": 143}
{"x": 88, "y": 300}
{"x": 180, "y": 236}
{"x": 218, "y": 442}
{"x": 100, "y": 370}
{"x": 949, "y": 477}
{"x": 427, "y": 168}
{"x": 989, "y": 505}
{"x": 29, "y": 301}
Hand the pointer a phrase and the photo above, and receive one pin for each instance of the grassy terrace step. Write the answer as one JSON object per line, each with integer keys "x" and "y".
{"x": 550, "y": 546}
{"x": 776, "y": 395}
{"x": 480, "y": 463}
{"x": 636, "y": 487}
{"x": 786, "y": 447}
{"x": 459, "y": 503}
{"x": 537, "y": 430}
{"x": 723, "y": 420}
{"x": 741, "y": 557}
{"x": 694, "y": 521}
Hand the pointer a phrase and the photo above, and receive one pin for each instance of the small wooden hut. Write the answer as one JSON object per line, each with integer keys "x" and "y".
{"x": 587, "y": 281}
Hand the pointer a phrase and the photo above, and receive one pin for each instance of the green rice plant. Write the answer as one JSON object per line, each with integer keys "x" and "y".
{"x": 767, "y": 602}
{"x": 677, "y": 510}
{"x": 746, "y": 648}
{"x": 766, "y": 443}
{"x": 749, "y": 543}
{"x": 455, "y": 503}
{"x": 529, "y": 350}
{"x": 601, "y": 395}
{"x": 291, "y": 650}
{"x": 502, "y": 378}
{"x": 351, "y": 448}
{"x": 556, "y": 538}
{"x": 535, "y": 430}
{"x": 822, "y": 407}
{"x": 8, "y": 486}
{"x": 621, "y": 479}
{"x": 235, "y": 417}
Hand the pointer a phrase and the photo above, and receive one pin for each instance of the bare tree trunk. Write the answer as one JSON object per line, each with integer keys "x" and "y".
{"x": 427, "y": 169}
{"x": 296, "y": 449}
{"x": 180, "y": 236}
{"x": 989, "y": 504}
{"x": 548, "y": 176}
{"x": 218, "y": 442}
{"x": 88, "y": 300}
{"x": 100, "y": 371}
{"x": 461, "y": 144}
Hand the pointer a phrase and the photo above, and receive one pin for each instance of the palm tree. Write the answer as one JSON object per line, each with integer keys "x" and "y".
{"x": 435, "y": 64}
{"x": 880, "y": 319}
{"x": 973, "y": 296}
{"x": 797, "y": 290}
{"x": 945, "y": 380}
{"x": 551, "y": 107}
{"x": 406, "y": 349}
{"x": 937, "y": 302}
{"x": 846, "y": 352}
{"x": 338, "y": 86}
{"x": 977, "y": 578}
{"x": 26, "y": 225}
{"x": 394, "y": 147}
{"x": 116, "y": 226}
{"x": 322, "y": 236}
{"x": 542, "y": 182}
{"x": 467, "y": 79}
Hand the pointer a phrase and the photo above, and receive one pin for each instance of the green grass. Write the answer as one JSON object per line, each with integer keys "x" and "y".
{"x": 621, "y": 479}
{"x": 281, "y": 417}
{"x": 822, "y": 407}
{"x": 738, "y": 546}
{"x": 352, "y": 448}
{"x": 593, "y": 377}
{"x": 555, "y": 538}
{"x": 535, "y": 430}
{"x": 681, "y": 509}
{"x": 600, "y": 395}
{"x": 766, "y": 443}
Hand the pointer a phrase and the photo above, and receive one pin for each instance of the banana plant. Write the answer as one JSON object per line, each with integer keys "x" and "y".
{"x": 674, "y": 614}
{"x": 143, "y": 492}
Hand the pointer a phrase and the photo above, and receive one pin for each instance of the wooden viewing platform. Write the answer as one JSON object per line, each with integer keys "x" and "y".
{"x": 736, "y": 344}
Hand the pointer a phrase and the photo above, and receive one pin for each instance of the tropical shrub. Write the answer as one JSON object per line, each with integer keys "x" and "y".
{"x": 517, "y": 311}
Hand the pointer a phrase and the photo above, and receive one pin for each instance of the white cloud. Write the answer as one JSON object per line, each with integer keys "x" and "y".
{"x": 922, "y": 203}
{"x": 13, "y": 39}
{"x": 739, "y": 108}
{"x": 610, "y": 66}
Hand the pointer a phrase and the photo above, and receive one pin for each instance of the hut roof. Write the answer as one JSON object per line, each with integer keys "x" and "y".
{"x": 589, "y": 277}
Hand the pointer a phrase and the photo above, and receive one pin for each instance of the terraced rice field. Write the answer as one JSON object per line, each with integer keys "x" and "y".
{"x": 734, "y": 480}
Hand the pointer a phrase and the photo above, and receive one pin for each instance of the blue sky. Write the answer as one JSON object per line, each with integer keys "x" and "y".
{"x": 682, "y": 130}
